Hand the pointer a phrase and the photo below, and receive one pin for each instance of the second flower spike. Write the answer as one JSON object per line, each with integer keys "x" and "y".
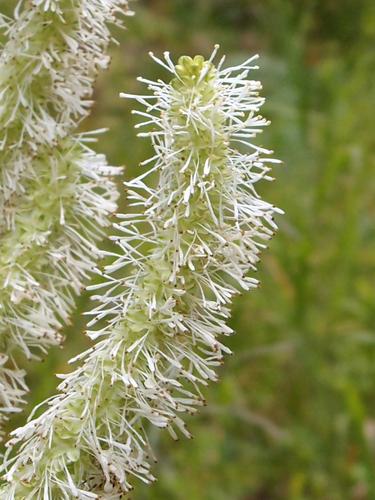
{"x": 52, "y": 186}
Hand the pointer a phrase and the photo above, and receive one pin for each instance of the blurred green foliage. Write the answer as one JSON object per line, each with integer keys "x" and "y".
{"x": 294, "y": 414}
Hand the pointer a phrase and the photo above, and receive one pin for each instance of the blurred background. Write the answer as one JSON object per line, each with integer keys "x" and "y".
{"x": 294, "y": 414}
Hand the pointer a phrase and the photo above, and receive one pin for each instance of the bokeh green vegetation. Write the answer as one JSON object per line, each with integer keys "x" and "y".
{"x": 294, "y": 414}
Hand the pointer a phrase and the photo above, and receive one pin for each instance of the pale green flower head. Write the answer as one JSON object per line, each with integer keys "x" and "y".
{"x": 193, "y": 72}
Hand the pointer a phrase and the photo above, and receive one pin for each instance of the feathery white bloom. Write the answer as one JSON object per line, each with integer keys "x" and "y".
{"x": 55, "y": 193}
{"x": 164, "y": 301}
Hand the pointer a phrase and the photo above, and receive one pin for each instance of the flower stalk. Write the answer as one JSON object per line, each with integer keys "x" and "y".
{"x": 56, "y": 194}
{"x": 184, "y": 252}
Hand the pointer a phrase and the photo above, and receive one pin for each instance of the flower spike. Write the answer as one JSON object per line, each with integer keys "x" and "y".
{"x": 184, "y": 252}
{"x": 52, "y": 186}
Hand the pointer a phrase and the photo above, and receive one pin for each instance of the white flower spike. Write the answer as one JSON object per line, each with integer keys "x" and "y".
{"x": 183, "y": 254}
{"x": 55, "y": 193}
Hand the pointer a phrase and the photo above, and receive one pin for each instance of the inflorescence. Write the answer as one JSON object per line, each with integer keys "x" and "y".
{"x": 184, "y": 251}
{"x": 56, "y": 194}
